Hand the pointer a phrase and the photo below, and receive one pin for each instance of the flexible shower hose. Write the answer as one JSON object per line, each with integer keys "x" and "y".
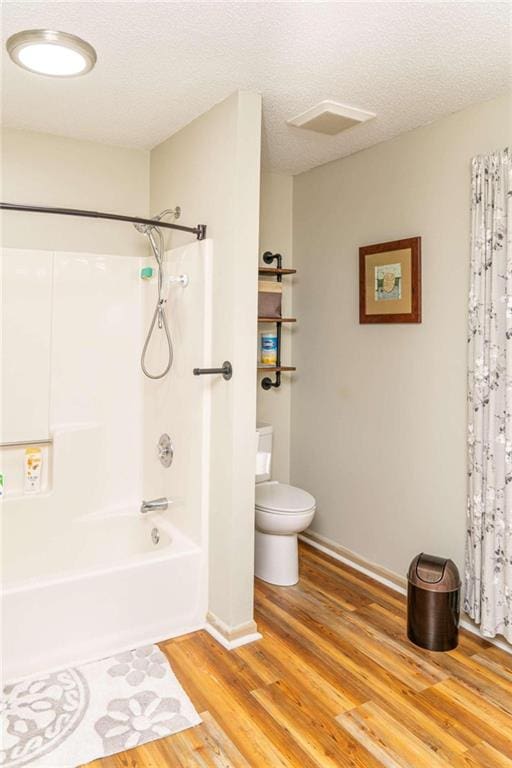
{"x": 159, "y": 317}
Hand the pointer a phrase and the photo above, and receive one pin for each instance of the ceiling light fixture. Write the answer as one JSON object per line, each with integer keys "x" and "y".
{"x": 56, "y": 54}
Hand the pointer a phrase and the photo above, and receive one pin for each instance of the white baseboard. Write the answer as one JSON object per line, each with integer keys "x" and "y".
{"x": 383, "y": 576}
{"x": 231, "y": 637}
{"x": 357, "y": 562}
{"x": 230, "y": 645}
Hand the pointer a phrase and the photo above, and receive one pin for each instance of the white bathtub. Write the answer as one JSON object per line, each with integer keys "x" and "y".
{"x": 114, "y": 589}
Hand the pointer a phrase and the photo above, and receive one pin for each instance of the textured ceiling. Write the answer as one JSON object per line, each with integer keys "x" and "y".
{"x": 161, "y": 64}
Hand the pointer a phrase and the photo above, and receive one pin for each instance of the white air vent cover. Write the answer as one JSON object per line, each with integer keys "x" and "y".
{"x": 330, "y": 117}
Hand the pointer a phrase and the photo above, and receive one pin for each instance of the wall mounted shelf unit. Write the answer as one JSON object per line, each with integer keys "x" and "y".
{"x": 277, "y": 272}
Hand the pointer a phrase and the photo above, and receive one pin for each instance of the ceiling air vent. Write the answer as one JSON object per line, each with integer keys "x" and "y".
{"x": 330, "y": 117}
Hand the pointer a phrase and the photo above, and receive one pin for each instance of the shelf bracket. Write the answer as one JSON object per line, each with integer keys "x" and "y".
{"x": 268, "y": 257}
{"x": 267, "y": 382}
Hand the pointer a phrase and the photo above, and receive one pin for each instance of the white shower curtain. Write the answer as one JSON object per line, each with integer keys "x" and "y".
{"x": 488, "y": 567}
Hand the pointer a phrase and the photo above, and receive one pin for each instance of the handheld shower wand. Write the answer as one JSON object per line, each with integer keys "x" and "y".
{"x": 159, "y": 317}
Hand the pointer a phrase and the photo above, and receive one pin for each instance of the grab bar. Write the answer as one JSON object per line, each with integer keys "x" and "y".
{"x": 226, "y": 370}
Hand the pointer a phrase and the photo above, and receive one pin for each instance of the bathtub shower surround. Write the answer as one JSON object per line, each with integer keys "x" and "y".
{"x": 69, "y": 717}
{"x": 25, "y": 384}
{"x": 71, "y": 335}
{"x": 180, "y": 404}
{"x": 106, "y": 578}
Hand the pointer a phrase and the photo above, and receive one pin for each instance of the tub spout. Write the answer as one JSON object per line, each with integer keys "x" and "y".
{"x": 151, "y": 506}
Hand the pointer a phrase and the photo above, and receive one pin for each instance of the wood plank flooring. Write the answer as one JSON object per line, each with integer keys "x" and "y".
{"x": 335, "y": 683}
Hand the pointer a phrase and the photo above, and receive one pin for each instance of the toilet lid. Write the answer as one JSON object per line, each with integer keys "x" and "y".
{"x": 278, "y": 497}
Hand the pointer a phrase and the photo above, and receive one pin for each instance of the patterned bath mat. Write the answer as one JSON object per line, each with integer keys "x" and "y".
{"x": 70, "y": 717}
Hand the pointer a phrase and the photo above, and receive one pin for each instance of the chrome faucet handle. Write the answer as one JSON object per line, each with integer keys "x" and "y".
{"x": 165, "y": 450}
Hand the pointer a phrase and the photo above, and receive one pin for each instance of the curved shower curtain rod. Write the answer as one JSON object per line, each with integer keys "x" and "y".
{"x": 199, "y": 231}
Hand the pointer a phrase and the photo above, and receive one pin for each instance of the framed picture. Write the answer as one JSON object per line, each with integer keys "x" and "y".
{"x": 390, "y": 282}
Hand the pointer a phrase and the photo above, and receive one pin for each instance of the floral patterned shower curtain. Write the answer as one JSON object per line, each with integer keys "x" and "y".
{"x": 488, "y": 567}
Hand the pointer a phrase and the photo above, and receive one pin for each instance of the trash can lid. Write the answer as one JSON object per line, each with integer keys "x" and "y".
{"x": 436, "y": 574}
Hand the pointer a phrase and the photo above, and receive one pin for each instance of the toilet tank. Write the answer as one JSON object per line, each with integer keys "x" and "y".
{"x": 263, "y": 452}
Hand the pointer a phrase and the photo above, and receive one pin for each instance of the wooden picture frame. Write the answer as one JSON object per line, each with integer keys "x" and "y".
{"x": 390, "y": 282}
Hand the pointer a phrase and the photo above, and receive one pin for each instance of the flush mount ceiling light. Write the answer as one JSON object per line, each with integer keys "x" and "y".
{"x": 330, "y": 117}
{"x": 56, "y": 54}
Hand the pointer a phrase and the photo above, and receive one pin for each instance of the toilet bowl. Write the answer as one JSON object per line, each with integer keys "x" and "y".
{"x": 281, "y": 512}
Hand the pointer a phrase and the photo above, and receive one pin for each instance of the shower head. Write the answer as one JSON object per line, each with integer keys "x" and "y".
{"x": 175, "y": 212}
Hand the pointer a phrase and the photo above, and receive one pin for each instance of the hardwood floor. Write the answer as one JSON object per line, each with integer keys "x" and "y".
{"x": 335, "y": 683}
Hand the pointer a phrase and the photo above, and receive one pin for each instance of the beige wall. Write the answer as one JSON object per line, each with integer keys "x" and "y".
{"x": 41, "y": 169}
{"x": 379, "y": 412}
{"x": 276, "y": 236}
{"x": 211, "y": 169}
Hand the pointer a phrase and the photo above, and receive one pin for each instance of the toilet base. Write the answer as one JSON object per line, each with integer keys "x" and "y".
{"x": 276, "y": 558}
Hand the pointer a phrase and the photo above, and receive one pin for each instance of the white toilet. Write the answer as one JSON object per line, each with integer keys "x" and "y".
{"x": 282, "y": 511}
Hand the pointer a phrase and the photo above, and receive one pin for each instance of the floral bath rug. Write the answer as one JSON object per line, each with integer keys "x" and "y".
{"x": 67, "y": 718}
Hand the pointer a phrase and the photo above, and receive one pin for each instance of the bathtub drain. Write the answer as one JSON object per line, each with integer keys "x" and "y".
{"x": 155, "y": 536}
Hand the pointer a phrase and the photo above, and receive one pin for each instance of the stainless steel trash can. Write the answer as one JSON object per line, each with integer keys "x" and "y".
{"x": 433, "y": 603}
